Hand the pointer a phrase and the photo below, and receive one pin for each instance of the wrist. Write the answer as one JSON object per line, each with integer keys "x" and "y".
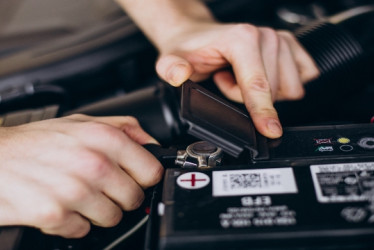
{"x": 164, "y": 20}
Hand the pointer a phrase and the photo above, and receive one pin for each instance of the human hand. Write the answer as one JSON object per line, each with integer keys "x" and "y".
{"x": 59, "y": 175}
{"x": 267, "y": 65}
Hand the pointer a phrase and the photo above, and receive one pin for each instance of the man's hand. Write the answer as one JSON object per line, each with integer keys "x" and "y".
{"x": 61, "y": 175}
{"x": 264, "y": 65}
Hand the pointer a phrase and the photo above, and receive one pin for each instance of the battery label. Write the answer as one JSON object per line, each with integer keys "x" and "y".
{"x": 254, "y": 182}
{"x": 262, "y": 216}
{"x": 350, "y": 182}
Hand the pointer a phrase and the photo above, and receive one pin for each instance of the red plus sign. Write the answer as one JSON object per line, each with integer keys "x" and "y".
{"x": 193, "y": 180}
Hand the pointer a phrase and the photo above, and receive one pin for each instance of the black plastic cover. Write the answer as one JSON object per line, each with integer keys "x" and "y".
{"x": 214, "y": 119}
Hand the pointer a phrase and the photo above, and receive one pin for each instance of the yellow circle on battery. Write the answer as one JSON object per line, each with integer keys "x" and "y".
{"x": 344, "y": 140}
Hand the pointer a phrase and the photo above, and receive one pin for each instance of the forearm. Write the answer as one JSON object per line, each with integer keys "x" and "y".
{"x": 162, "y": 20}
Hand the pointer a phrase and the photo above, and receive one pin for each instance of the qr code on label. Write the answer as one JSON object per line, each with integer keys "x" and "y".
{"x": 253, "y": 181}
{"x": 245, "y": 180}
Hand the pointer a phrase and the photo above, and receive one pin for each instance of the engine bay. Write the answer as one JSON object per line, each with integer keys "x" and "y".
{"x": 326, "y": 150}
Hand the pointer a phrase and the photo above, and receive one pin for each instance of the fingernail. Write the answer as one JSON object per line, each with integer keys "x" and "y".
{"x": 177, "y": 74}
{"x": 153, "y": 141}
{"x": 275, "y": 127}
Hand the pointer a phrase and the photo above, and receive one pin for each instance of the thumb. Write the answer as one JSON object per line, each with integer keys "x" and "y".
{"x": 128, "y": 124}
{"x": 173, "y": 69}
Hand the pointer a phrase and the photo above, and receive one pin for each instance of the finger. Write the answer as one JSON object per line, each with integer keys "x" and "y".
{"x": 291, "y": 87}
{"x": 91, "y": 184}
{"x": 127, "y": 124}
{"x": 173, "y": 69}
{"x": 246, "y": 59}
{"x": 226, "y": 83}
{"x": 94, "y": 185}
{"x": 120, "y": 181}
{"x": 270, "y": 54}
{"x": 72, "y": 226}
{"x": 139, "y": 163}
{"x": 96, "y": 206}
{"x": 80, "y": 187}
{"x": 106, "y": 180}
{"x": 109, "y": 141}
{"x": 305, "y": 64}
{"x": 130, "y": 126}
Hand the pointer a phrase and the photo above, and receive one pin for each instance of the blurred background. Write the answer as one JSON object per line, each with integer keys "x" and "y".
{"x": 72, "y": 53}
{"x": 87, "y": 56}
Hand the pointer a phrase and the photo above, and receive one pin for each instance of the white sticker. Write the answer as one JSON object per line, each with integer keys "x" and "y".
{"x": 193, "y": 180}
{"x": 345, "y": 182}
{"x": 253, "y": 182}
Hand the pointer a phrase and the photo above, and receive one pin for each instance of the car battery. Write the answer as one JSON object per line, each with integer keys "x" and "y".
{"x": 313, "y": 188}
